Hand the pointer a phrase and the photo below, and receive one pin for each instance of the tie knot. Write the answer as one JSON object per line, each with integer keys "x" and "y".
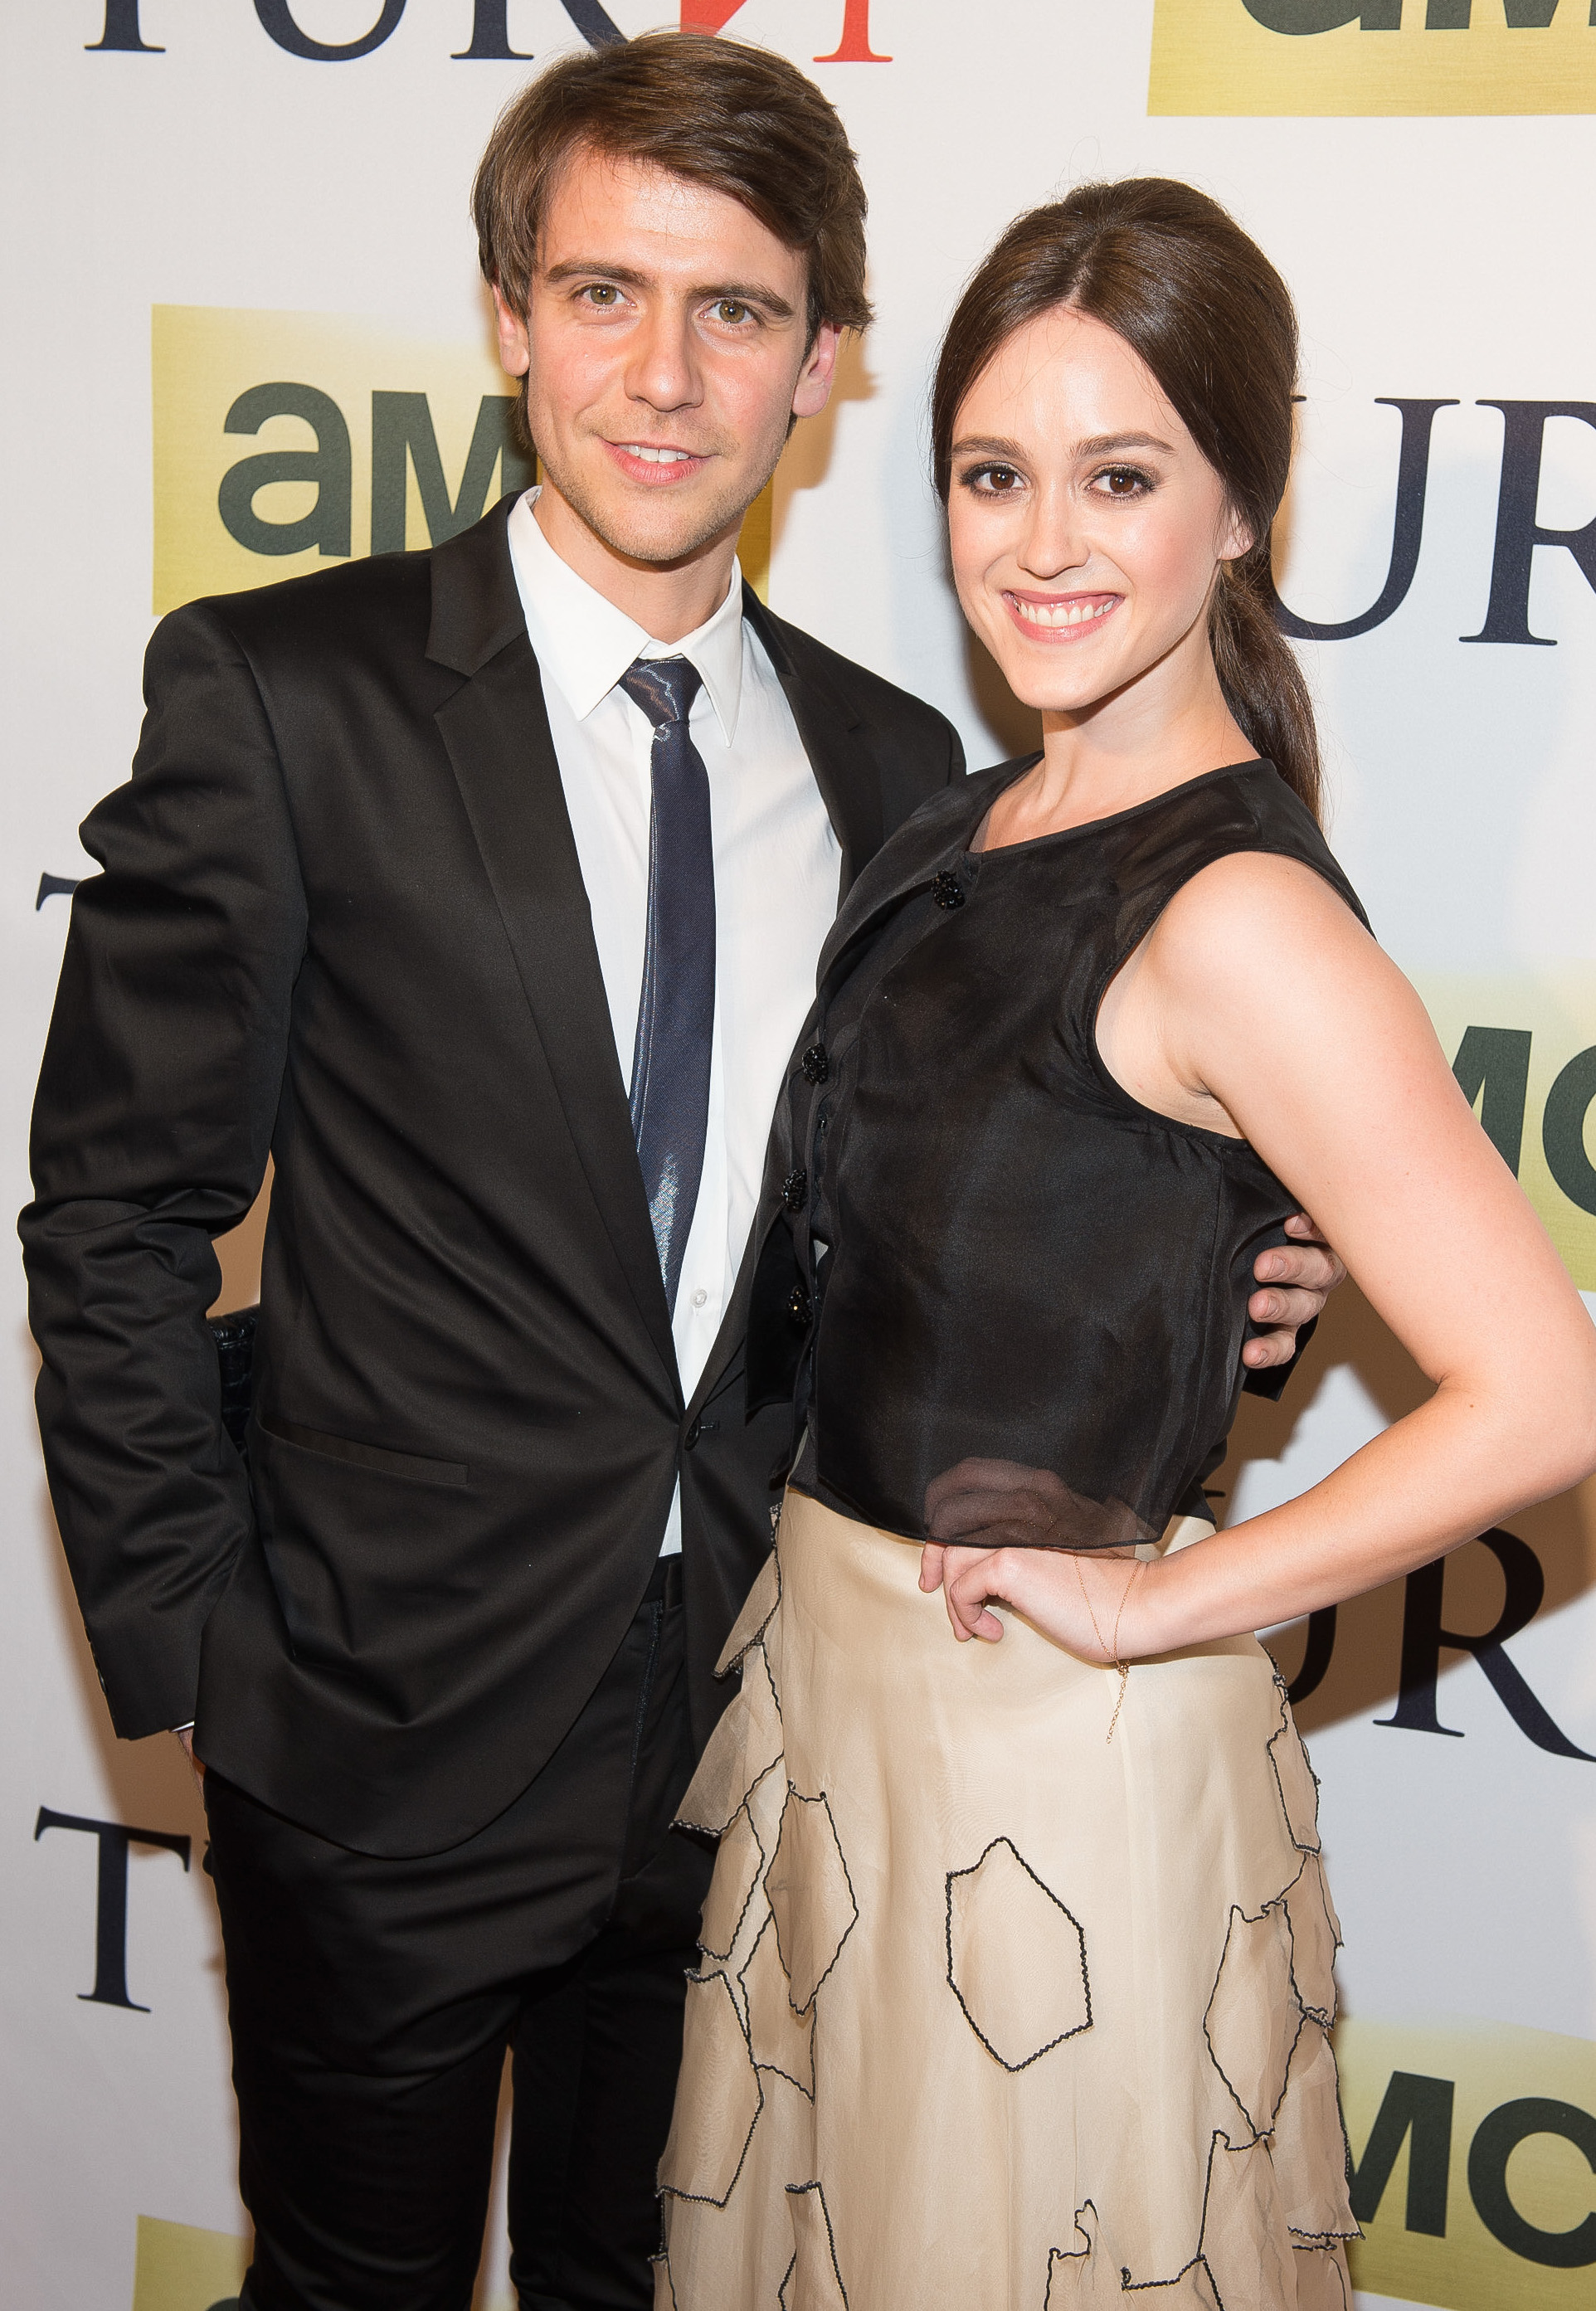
{"x": 664, "y": 688}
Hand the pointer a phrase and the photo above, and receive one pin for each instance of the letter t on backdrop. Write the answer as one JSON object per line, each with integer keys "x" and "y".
{"x": 853, "y": 48}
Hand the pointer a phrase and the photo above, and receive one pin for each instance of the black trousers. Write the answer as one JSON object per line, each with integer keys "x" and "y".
{"x": 372, "y": 2002}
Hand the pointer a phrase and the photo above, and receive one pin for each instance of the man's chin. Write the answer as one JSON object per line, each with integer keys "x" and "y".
{"x": 662, "y": 534}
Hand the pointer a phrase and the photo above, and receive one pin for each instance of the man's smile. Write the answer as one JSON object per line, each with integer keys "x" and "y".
{"x": 656, "y": 464}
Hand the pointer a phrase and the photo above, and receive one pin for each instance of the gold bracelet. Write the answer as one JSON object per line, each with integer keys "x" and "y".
{"x": 1124, "y": 1667}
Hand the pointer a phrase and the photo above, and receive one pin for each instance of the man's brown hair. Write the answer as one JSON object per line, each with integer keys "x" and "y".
{"x": 715, "y": 112}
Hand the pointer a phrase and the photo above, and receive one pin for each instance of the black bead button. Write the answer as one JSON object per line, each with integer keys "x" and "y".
{"x": 815, "y": 1065}
{"x": 797, "y": 1306}
{"x": 795, "y": 1189}
{"x": 947, "y": 890}
{"x": 691, "y": 1438}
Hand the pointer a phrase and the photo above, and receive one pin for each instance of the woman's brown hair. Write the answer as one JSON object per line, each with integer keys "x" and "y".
{"x": 714, "y": 111}
{"x": 1169, "y": 271}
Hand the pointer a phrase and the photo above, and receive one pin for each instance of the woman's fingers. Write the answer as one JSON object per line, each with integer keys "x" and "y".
{"x": 967, "y": 1587}
{"x": 932, "y": 1559}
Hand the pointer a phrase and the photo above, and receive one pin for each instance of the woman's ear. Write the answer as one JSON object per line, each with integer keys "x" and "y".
{"x": 1236, "y": 538}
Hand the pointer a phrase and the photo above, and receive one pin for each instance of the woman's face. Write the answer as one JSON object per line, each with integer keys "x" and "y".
{"x": 1086, "y": 525}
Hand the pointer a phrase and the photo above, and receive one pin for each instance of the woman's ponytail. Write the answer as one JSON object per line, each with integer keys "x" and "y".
{"x": 1264, "y": 687}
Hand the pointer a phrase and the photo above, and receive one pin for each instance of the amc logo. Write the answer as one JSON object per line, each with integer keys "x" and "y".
{"x": 285, "y": 440}
{"x": 1472, "y": 2163}
{"x": 1524, "y": 1056}
{"x": 1363, "y": 56}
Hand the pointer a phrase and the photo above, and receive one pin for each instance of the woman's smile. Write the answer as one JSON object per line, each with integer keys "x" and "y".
{"x": 1050, "y": 618}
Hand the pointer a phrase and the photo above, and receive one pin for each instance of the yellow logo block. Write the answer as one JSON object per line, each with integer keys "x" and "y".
{"x": 1474, "y": 2160}
{"x": 181, "y": 2269}
{"x": 1525, "y": 1052}
{"x": 284, "y": 441}
{"x": 1286, "y": 57}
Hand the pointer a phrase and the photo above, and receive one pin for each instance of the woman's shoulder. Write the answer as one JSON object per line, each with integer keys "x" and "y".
{"x": 1245, "y": 812}
{"x": 1259, "y": 928}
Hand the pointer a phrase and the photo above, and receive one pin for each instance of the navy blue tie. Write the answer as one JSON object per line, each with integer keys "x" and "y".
{"x": 676, "y": 1015}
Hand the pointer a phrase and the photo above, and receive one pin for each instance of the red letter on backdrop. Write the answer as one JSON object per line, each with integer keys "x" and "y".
{"x": 708, "y": 15}
{"x": 854, "y": 47}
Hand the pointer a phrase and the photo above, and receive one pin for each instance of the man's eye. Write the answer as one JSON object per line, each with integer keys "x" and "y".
{"x": 603, "y": 294}
{"x": 728, "y": 309}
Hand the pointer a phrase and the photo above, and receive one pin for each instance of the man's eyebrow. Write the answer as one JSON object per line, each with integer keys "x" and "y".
{"x": 627, "y": 276}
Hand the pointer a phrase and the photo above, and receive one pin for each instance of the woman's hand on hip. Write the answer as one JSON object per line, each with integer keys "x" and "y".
{"x": 1084, "y": 1601}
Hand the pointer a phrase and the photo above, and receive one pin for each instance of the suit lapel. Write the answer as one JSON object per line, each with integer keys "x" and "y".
{"x": 845, "y": 770}
{"x": 495, "y": 729}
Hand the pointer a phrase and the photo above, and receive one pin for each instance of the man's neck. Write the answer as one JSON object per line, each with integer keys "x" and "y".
{"x": 666, "y": 600}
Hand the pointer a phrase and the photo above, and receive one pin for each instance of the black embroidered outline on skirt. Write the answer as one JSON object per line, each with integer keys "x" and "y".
{"x": 1058, "y": 2254}
{"x": 754, "y": 1883}
{"x": 770, "y": 1928}
{"x": 703, "y": 2198}
{"x": 800, "y": 2190}
{"x": 1311, "y": 2239}
{"x": 1260, "y": 2133}
{"x": 756, "y": 1636}
{"x": 1129, "y": 2286}
{"x": 707, "y": 1829}
{"x": 1077, "y": 2028}
{"x": 1289, "y": 1725}
{"x": 1325, "y": 2018}
{"x": 793, "y": 1791}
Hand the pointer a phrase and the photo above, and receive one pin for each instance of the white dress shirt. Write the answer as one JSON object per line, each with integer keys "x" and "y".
{"x": 777, "y": 861}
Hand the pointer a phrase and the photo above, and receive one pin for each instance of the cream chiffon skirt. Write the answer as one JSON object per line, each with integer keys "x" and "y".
{"x": 996, "y": 2013}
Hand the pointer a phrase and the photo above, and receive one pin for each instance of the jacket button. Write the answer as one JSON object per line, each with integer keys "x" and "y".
{"x": 947, "y": 890}
{"x": 815, "y": 1065}
{"x": 797, "y": 1306}
{"x": 692, "y": 1437}
{"x": 795, "y": 1188}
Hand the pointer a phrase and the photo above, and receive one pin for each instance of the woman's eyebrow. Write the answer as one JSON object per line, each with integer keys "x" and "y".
{"x": 1102, "y": 445}
{"x": 1099, "y": 445}
{"x": 980, "y": 445}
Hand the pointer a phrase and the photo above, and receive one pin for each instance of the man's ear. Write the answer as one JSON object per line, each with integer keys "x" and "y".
{"x": 515, "y": 354}
{"x": 814, "y": 387}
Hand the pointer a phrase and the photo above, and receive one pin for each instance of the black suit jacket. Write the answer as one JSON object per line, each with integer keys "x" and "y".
{"x": 341, "y": 917}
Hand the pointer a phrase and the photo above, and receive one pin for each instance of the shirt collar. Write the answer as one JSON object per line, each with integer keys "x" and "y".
{"x": 584, "y": 645}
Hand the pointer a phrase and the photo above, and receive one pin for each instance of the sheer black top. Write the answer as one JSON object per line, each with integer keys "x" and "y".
{"x": 1013, "y": 1278}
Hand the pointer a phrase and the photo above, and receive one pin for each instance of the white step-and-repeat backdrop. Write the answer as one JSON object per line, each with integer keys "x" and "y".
{"x": 246, "y": 335}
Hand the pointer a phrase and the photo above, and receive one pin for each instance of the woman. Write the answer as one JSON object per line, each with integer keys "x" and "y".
{"x": 1016, "y": 1979}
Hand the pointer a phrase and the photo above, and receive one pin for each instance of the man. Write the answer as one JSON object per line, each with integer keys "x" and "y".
{"x": 483, "y": 887}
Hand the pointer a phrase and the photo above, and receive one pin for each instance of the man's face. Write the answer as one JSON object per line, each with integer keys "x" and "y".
{"x": 665, "y": 353}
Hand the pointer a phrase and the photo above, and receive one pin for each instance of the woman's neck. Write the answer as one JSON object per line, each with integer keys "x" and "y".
{"x": 1116, "y": 754}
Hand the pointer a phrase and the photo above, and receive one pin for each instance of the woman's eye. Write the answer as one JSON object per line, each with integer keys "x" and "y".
{"x": 1123, "y": 482}
{"x": 994, "y": 481}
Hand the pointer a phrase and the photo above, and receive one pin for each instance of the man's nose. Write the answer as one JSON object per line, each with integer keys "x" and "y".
{"x": 664, "y": 370}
